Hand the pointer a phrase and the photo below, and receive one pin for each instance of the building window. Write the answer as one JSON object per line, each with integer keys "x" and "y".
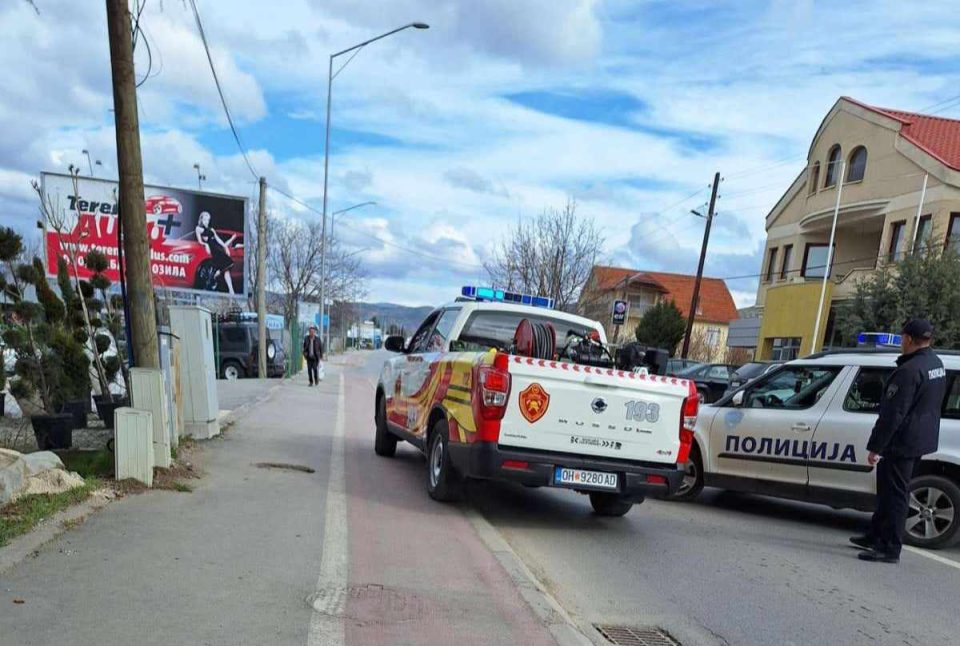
{"x": 815, "y": 261}
{"x": 921, "y": 239}
{"x": 713, "y": 337}
{"x": 896, "y": 241}
{"x": 771, "y": 264}
{"x": 857, "y": 165}
{"x": 785, "y": 267}
{"x": 785, "y": 348}
{"x": 814, "y": 177}
{"x": 953, "y": 232}
{"x": 833, "y": 166}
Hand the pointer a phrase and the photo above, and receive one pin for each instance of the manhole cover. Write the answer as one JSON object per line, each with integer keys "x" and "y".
{"x": 637, "y": 636}
{"x": 283, "y": 465}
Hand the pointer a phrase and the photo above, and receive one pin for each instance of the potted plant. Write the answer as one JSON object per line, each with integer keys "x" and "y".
{"x": 51, "y": 366}
{"x": 109, "y": 351}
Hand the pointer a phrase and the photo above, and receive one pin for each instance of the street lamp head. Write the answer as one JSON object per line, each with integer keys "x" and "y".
{"x": 85, "y": 151}
{"x": 420, "y": 25}
{"x": 197, "y": 166}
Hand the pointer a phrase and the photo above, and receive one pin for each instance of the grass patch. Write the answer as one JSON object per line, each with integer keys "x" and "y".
{"x": 181, "y": 487}
{"x": 89, "y": 464}
{"x": 21, "y": 516}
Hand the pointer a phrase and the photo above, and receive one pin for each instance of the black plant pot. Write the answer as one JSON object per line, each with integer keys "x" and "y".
{"x": 53, "y": 431}
{"x": 105, "y": 408}
{"x": 3, "y": 404}
{"x": 78, "y": 409}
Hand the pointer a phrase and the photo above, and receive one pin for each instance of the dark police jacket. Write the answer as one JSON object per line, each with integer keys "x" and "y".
{"x": 317, "y": 347}
{"x": 909, "y": 422}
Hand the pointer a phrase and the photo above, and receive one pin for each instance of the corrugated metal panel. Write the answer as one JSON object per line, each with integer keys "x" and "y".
{"x": 133, "y": 445}
{"x": 147, "y": 387}
{"x": 744, "y": 333}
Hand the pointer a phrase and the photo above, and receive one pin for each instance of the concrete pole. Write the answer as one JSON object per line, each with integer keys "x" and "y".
{"x": 826, "y": 270}
{"x": 261, "y": 286}
{"x": 136, "y": 245}
{"x": 323, "y": 224}
{"x": 695, "y": 301}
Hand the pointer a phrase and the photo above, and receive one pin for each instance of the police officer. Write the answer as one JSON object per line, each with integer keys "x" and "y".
{"x": 908, "y": 427}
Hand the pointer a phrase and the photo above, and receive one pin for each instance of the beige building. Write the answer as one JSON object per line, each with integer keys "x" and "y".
{"x": 643, "y": 289}
{"x": 877, "y": 160}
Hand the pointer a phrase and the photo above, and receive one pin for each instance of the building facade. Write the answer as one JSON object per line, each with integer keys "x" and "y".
{"x": 876, "y": 161}
{"x": 644, "y": 289}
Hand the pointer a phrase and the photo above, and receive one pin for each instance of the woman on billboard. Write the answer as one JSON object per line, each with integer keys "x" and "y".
{"x": 219, "y": 251}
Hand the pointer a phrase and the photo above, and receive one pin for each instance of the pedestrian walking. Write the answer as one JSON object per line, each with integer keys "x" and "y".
{"x": 908, "y": 427}
{"x": 313, "y": 353}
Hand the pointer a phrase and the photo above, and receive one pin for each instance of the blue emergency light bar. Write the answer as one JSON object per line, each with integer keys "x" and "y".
{"x": 879, "y": 339}
{"x": 499, "y": 295}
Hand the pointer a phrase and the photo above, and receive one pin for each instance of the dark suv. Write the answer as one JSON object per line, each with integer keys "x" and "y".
{"x": 238, "y": 351}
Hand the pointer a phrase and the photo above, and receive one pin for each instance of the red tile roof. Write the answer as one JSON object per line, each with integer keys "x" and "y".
{"x": 938, "y": 136}
{"x": 716, "y": 304}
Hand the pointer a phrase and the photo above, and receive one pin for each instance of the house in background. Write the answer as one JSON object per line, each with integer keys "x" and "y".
{"x": 643, "y": 289}
{"x": 880, "y": 157}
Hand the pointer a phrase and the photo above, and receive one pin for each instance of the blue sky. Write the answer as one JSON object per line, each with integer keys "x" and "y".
{"x": 501, "y": 109}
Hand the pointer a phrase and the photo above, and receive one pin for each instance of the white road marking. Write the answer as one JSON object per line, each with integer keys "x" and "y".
{"x": 326, "y": 623}
{"x": 935, "y": 557}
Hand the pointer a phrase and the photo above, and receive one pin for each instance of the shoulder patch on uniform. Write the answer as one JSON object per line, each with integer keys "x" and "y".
{"x": 892, "y": 391}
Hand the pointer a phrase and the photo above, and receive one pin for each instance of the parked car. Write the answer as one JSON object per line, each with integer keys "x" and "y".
{"x": 800, "y": 432}
{"x": 676, "y": 365}
{"x": 238, "y": 353}
{"x": 711, "y": 379}
{"x": 748, "y": 372}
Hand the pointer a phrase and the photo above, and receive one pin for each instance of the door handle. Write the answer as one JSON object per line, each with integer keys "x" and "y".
{"x": 801, "y": 427}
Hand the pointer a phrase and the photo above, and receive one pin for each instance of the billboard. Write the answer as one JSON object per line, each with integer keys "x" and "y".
{"x": 196, "y": 239}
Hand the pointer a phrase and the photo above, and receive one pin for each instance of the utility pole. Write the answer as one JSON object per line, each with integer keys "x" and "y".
{"x": 262, "y": 281}
{"x": 136, "y": 246}
{"x": 703, "y": 256}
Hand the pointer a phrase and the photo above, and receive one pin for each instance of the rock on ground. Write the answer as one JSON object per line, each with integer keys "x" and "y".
{"x": 33, "y": 473}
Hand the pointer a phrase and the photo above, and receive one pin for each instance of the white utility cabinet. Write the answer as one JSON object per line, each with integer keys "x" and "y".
{"x": 133, "y": 445}
{"x": 198, "y": 375}
{"x": 149, "y": 394}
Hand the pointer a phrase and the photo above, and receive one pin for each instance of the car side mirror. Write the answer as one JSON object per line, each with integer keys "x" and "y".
{"x": 394, "y": 344}
{"x": 737, "y": 399}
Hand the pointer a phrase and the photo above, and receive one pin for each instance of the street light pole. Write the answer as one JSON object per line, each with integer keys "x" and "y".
{"x": 326, "y": 162}
{"x": 89, "y": 163}
{"x": 200, "y": 177}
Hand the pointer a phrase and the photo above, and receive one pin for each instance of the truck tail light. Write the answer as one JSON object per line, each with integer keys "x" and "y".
{"x": 491, "y": 393}
{"x": 688, "y": 421}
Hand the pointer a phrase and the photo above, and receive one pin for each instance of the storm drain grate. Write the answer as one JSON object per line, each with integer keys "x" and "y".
{"x": 637, "y": 636}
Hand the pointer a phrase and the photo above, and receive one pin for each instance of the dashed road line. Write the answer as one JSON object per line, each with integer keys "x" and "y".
{"x": 326, "y": 622}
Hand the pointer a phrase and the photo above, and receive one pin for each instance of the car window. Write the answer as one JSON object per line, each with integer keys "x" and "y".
{"x": 866, "y": 391}
{"x": 794, "y": 388}
{"x": 441, "y": 331}
{"x": 749, "y": 370}
{"x": 693, "y": 371}
{"x": 951, "y": 405}
{"x": 232, "y": 338}
{"x": 419, "y": 341}
{"x": 719, "y": 372}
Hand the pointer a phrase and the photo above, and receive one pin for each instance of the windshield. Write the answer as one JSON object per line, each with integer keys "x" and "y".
{"x": 691, "y": 371}
{"x": 496, "y": 328}
{"x": 749, "y": 370}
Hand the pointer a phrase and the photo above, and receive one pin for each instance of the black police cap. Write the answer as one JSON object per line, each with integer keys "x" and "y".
{"x": 918, "y": 328}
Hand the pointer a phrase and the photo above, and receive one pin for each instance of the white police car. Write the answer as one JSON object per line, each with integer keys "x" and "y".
{"x": 801, "y": 432}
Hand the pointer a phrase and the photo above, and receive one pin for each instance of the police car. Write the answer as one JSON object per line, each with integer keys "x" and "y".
{"x": 801, "y": 431}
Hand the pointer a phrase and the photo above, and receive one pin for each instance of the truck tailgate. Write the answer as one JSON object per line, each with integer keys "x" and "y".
{"x": 562, "y": 407}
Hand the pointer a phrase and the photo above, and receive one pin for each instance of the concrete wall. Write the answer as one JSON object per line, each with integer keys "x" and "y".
{"x": 791, "y": 311}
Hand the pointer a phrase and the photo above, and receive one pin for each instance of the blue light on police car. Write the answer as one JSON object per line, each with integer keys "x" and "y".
{"x": 492, "y": 294}
{"x": 878, "y": 339}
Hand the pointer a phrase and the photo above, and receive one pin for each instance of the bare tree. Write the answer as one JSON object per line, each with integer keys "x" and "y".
{"x": 550, "y": 255}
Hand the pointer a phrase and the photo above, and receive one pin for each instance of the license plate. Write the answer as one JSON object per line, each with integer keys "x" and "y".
{"x": 578, "y": 478}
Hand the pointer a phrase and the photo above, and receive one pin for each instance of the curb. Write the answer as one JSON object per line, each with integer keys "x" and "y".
{"x": 50, "y": 528}
{"x": 230, "y": 417}
{"x": 565, "y": 630}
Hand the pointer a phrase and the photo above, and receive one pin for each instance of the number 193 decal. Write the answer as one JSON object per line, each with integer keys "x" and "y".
{"x": 641, "y": 411}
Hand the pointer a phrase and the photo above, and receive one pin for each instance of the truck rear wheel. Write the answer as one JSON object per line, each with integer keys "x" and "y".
{"x": 385, "y": 442}
{"x": 609, "y": 504}
{"x": 443, "y": 482}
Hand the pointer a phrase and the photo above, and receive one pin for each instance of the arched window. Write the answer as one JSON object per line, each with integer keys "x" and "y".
{"x": 833, "y": 166}
{"x": 857, "y": 164}
{"x": 814, "y": 177}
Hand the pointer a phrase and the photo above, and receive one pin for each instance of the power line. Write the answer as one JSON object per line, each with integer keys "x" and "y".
{"x": 223, "y": 100}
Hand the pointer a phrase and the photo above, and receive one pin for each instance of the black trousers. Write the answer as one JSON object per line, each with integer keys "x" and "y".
{"x": 893, "y": 503}
{"x": 312, "y": 373}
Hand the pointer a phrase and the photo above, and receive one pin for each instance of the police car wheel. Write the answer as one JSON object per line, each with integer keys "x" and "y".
{"x": 444, "y": 484}
{"x": 692, "y": 483}
{"x": 609, "y": 504}
{"x": 933, "y": 519}
{"x": 385, "y": 442}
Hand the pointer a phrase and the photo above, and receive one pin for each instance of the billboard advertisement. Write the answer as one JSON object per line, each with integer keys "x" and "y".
{"x": 196, "y": 238}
